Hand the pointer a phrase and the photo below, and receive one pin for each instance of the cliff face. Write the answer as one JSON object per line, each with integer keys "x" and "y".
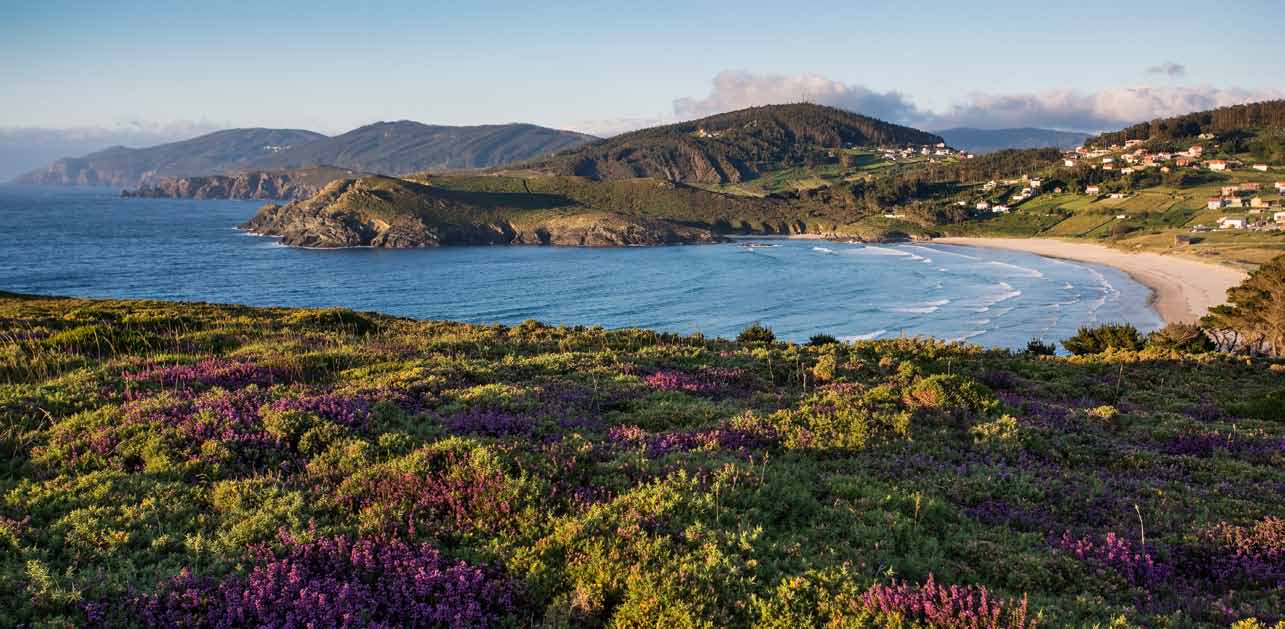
{"x": 255, "y": 185}
{"x": 368, "y": 213}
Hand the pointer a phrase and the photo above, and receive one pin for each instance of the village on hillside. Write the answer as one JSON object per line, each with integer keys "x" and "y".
{"x": 1247, "y": 196}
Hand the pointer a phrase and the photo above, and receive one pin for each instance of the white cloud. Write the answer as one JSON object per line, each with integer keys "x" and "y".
{"x": 734, "y": 89}
{"x": 1104, "y": 109}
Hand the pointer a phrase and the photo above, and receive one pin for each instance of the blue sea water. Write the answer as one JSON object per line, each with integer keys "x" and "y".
{"x": 90, "y": 242}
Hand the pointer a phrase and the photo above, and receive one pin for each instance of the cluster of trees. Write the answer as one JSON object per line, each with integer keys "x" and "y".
{"x": 1268, "y": 114}
{"x": 1253, "y": 319}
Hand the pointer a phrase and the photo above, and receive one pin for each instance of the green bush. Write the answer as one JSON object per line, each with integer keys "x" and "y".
{"x": 333, "y": 320}
{"x": 1037, "y": 347}
{"x": 1095, "y": 340}
{"x": 819, "y": 340}
{"x": 756, "y": 333}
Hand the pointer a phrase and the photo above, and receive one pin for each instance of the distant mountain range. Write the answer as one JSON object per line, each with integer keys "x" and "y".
{"x": 392, "y": 148}
{"x": 990, "y": 140}
{"x": 731, "y": 147}
{"x": 404, "y": 147}
{"x": 212, "y": 153}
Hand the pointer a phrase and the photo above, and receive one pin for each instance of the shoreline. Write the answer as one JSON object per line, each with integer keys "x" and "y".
{"x": 1182, "y": 290}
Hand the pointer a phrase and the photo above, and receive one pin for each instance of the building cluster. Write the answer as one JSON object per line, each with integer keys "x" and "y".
{"x": 1132, "y": 157}
{"x": 931, "y": 151}
{"x": 1031, "y": 186}
{"x": 1261, "y": 214}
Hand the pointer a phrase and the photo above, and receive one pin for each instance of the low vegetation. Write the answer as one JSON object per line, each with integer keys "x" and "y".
{"x": 201, "y": 465}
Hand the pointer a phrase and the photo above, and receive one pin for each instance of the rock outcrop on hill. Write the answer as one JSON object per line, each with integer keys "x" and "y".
{"x": 400, "y": 214}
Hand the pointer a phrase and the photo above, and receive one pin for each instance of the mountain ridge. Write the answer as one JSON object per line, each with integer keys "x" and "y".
{"x": 975, "y": 140}
{"x": 404, "y": 146}
{"x": 202, "y": 155}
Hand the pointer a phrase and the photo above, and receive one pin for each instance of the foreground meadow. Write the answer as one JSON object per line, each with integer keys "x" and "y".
{"x": 198, "y": 465}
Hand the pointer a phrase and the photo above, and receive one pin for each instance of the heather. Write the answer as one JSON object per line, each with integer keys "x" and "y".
{"x": 202, "y": 465}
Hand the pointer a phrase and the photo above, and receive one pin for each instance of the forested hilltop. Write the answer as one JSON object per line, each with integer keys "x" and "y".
{"x": 196, "y": 465}
{"x": 732, "y": 147}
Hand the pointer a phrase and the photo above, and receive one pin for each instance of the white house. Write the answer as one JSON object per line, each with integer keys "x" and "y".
{"x": 1216, "y": 165}
{"x": 1279, "y": 217}
{"x": 1280, "y": 187}
{"x": 1000, "y": 209}
{"x": 1069, "y": 163}
{"x": 982, "y": 205}
{"x": 1228, "y": 222}
{"x": 1260, "y": 167}
{"x": 1216, "y": 203}
{"x": 1118, "y": 195}
{"x": 1093, "y": 190}
{"x": 1035, "y": 183}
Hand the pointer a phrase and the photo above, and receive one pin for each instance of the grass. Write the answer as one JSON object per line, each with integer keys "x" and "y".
{"x": 162, "y": 461}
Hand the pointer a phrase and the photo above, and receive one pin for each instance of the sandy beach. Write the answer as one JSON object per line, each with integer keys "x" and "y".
{"x": 1183, "y": 289}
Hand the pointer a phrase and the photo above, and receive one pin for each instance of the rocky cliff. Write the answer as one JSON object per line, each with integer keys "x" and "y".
{"x": 399, "y": 214}
{"x": 287, "y": 185}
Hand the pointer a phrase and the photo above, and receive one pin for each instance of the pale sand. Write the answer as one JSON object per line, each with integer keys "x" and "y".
{"x": 1183, "y": 289}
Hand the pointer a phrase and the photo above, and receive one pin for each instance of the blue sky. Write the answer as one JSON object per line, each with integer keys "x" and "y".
{"x": 602, "y": 66}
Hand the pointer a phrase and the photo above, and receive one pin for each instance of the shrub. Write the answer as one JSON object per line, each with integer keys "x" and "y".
{"x": 1269, "y": 406}
{"x": 333, "y": 319}
{"x": 950, "y": 394}
{"x": 818, "y": 340}
{"x": 1037, "y": 347}
{"x": 1088, "y": 340}
{"x": 1186, "y": 338}
{"x": 756, "y": 333}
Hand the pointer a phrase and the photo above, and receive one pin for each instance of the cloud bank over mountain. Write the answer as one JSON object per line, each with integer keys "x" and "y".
{"x": 1100, "y": 110}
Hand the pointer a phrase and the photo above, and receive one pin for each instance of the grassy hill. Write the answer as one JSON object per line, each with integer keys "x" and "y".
{"x": 403, "y": 147}
{"x": 731, "y": 147}
{"x": 209, "y": 154}
{"x": 177, "y": 464}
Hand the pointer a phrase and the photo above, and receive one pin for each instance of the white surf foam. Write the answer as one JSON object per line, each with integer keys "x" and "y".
{"x": 868, "y": 336}
{"x": 1028, "y": 272}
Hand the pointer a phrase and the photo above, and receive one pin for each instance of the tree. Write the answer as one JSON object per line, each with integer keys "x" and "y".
{"x": 1108, "y": 336}
{"x": 1186, "y": 338}
{"x": 1253, "y": 319}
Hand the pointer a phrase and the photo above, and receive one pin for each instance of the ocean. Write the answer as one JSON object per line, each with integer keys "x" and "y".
{"x": 89, "y": 242}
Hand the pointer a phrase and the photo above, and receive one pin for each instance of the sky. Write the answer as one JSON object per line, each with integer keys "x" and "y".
{"x": 134, "y": 72}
